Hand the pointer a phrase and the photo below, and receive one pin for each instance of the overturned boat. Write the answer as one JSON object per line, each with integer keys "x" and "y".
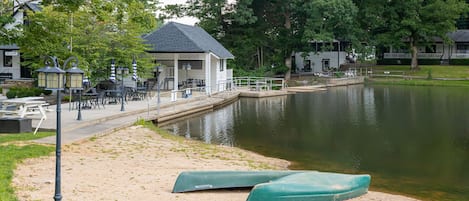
{"x": 278, "y": 185}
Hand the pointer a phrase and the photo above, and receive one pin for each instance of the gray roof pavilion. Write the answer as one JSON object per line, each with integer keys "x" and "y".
{"x": 188, "y": 53}
{"x": 179, "y": 38}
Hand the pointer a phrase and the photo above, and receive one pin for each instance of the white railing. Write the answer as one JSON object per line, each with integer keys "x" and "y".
{"x": 408, "y": 55}
{"x": 460, "y": 55}
{"x": 259, "y": 83}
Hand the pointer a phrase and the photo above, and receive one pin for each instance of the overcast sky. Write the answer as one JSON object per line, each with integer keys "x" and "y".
{"x": 183, "y": 20}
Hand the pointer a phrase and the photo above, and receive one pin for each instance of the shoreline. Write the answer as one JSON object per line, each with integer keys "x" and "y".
{"x": 137, "y": 163}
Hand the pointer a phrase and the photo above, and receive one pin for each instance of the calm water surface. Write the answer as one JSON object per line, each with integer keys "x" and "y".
{"x": 412, "y": 140}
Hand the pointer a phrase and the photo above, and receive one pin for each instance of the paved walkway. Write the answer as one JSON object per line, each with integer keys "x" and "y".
{"x": 101, "y": 121}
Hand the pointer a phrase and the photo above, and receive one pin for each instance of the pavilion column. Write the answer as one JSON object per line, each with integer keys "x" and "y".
{"x": 176, "y": 78}
{"x": 208, "y": 70}
{"x": 176, "y": 72}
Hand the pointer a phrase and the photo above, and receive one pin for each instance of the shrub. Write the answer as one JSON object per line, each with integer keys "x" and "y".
{"x": 11, "y": 94}
{"x": 429, "y": 76}
{"x": 47, "y": 92}
{"x": 459, "y": 61}
{"x": 20, "y": 92}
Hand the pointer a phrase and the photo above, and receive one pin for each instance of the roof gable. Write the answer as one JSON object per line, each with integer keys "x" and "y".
{"x": 174, "y": 37}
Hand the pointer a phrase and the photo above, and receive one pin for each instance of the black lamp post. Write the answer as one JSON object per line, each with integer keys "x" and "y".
{"x": 122, "y": 71}
{"x": 74, "y": 79}
{"x": 52, "y": 78}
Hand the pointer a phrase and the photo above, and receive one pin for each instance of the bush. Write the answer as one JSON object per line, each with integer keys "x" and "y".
{"x": 459, "y": 61}
{"x": 19, "y": 92}
{"x": 429, "y": 76}
{"x": 11, "y": 94}
{"x": 47, "y": 92}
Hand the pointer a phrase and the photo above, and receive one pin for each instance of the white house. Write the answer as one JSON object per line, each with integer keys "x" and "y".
{"x": 200, "y": 60}
{"x": 437, "y": 52}
{"x": 10, "y": 66}
{"x": 324, "y": 57}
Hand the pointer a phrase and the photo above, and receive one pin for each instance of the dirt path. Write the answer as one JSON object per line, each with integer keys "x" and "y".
{"x": 137, "y": 164}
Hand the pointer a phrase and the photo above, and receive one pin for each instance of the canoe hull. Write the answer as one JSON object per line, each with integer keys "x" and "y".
{"x": 309, "y": 186}
{"x": 278, "y": 185}
{"x": 206, "y": 180}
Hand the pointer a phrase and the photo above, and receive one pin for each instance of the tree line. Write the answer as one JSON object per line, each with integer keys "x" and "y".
{"x": 95, "y": 31}
{"x": 262, "y": 34}
{"x": 265, "y": 33}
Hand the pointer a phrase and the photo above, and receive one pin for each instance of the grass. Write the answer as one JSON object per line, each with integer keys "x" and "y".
{"x": 12, "y": 154}
{"x": 418, "y": 82}
{"x": 438, "y": 71}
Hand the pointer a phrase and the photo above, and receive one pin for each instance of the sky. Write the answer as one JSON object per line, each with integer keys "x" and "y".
{"x": 183, "y": 20}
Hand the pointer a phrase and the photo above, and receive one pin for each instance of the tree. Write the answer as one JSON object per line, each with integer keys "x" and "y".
{"x": 265, "y": 33}
{"x": 95, "y": 33}
{"x": 410, "y": 23}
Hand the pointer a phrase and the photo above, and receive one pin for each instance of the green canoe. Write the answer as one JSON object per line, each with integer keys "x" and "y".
{"x": 309, "y": 186}
{"x": 278, "y": 185}
{"x": 205, "y": 180}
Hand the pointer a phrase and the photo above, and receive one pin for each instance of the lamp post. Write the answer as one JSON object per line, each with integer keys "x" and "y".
{"x": 52, "y": 78}
{"x": 74, "y": 80}
{"x": 122, "y": 71}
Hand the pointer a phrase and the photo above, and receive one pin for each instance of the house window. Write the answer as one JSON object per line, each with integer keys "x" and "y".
{"x": 7, "y": 60}
{"x": 195, "y": 64}
{"x": 5, "y": 76}
{"x": 222, "y": 68}
{"x": 430, "y": 49}
{"x": 325, "y": 64}
{"x": 462, "y": 48}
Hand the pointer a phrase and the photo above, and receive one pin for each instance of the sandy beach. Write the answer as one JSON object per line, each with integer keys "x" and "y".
{"x": 136, "y": 163}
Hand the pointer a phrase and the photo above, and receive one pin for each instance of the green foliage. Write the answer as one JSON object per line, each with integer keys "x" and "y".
{"x": 23, "y": 136}
{"x": 19, "y": 92}
{"x": 67, "y": 98}
{"x": 8, "y": 35}
{"x": 265, "y": 33}
{"x": 95, "y": 33}
{"x": 438, "y": 71}
{"x": 429, "y": 76}
{"x": 12, "y": 155}
{"x": 140, "y": 121}
{"x": 419, "y": 22}
{"x": 418, "y": 82}
{"x": 459, "y": 61}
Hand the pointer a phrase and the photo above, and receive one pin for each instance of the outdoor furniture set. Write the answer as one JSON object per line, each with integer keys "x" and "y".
{"x": 21, "y": 108}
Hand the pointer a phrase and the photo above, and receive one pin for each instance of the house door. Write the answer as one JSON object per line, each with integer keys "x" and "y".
{"x": 307, "y": 66}
{"x": 326, "y": 64}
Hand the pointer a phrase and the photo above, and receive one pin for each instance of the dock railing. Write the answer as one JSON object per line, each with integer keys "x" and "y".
{"x": 259, "y": 83}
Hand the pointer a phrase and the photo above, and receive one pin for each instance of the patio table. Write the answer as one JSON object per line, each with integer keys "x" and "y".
{"x": 22, "y": 107}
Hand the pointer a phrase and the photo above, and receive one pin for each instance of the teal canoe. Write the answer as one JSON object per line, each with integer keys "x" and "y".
{"x": 206, "y": 180}
{"x": 278, "y": 185}
{"x": 312, "y": 186}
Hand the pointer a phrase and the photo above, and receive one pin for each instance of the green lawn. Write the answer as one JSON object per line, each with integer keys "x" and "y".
{"x": 438, "y": 71}
{"x": 12, "y": 154}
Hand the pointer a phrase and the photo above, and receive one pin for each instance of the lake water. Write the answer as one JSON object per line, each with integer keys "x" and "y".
{"x": 411, "y": 140}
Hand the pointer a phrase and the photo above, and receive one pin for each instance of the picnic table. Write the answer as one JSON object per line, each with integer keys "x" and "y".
{"x": 22, "y": 107}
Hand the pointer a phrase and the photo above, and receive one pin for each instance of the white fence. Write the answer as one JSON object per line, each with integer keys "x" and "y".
{"x": 259, "y": 83}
